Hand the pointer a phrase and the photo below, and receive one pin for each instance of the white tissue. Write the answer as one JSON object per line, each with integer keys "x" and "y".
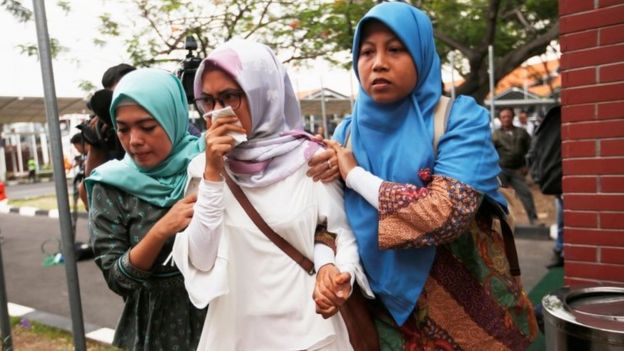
{"x": 224, "y": 112}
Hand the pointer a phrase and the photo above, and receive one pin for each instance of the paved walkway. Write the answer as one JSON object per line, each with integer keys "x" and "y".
{"x": 533, "y": 245}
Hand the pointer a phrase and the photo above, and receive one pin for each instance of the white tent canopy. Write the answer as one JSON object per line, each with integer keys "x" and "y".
{"x": 32, "y": 109}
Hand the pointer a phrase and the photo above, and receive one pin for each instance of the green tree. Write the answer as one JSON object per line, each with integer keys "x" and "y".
{"x": 24, "y": 14}
{"x": 298, "y": 30}
{"x": 301, "y": 30}
{"x": 517, "y": 30}
{"x": 154, "y": 31}
{"x": 17, "y": 9}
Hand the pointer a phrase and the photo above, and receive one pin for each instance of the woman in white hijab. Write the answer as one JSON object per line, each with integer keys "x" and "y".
{"x": 260, "y": 298}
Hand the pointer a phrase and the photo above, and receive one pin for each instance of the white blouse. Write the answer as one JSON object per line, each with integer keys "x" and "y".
{"x": 260, "y": 299}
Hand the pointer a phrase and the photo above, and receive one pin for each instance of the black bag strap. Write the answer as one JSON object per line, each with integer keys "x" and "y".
{"x": 275, "y": 238}
{"x": 507, "y": 233}
{"x": 510, "y": 248}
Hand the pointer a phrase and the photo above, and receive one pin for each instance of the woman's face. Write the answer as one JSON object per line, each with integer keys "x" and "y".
{"x": 220, "y": 86}
{"x": 142, "y": 136}
{"x": 387, "y": 71}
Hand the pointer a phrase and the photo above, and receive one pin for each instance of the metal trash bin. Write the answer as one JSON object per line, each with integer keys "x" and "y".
{"x": 590, "y": 318}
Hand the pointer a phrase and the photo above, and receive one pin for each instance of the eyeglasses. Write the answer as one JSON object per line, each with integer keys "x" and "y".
{"x": 230, "y": 98}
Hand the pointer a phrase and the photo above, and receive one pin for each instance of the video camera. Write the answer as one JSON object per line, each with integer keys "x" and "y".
{"x": 186, "y": 73}
{"x": 100, "y": 132}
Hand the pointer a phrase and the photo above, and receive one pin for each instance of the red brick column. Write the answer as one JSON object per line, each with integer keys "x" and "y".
{"x": 592, "y": 95}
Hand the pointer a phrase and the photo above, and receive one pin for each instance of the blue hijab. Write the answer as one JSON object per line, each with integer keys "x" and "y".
{"x": 161, "y": 94}
{"x": 394, "y": 141}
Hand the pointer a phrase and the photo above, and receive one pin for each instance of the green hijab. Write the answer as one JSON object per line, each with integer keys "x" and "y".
{"x": 161, "y": 94}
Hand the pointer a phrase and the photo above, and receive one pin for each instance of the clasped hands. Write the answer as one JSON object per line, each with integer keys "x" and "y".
{"x": 332, "y": 290}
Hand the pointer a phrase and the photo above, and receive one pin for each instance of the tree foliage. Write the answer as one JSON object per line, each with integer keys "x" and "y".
{"x": 154, "y": 31}
{"x": 24, "y": 14}
{"x": 517, "y": 30}
{"x": 297, "y": 30}
{"x": 19, "y": 11}
{"x": 302, "y": 30}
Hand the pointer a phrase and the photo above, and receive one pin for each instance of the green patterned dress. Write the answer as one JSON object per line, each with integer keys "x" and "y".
{"x": 158, "y": 314}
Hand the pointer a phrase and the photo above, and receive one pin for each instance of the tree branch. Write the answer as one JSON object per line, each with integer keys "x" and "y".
{"x": 490, "y": 28}
{"x": 531, "y": 48}
{"x": 147, "y": 15}
{"x": 528, "y": 27}
{"x": 468, "y": 52}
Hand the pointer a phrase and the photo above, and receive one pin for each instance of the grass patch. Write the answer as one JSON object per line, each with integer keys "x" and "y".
{"x": 34, "y": 336}
{"x": 47, "y": 202}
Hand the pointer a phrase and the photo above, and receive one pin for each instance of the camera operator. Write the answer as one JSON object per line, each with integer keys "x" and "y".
{"x": 113, "y": 75}
{"x": 78, "y": 164}
{"x": 98, "y": 132}
{"x": 186, "y": 74}
{"x": 83, "y": 148}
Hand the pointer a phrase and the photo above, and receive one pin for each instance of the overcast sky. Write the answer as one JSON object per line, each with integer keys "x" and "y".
{"x": 85, "y": 61}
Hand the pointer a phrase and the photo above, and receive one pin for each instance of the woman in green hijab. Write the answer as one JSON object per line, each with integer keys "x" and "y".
{"x": 137, "y": 207}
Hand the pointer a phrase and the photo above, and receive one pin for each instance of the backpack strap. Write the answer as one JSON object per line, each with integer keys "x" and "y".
{"x": 440, "y": 120}
{"x": 347, "y": 143}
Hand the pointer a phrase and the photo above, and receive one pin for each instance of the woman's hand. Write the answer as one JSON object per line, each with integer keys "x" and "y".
{"x": 144, "y": 254}
{"x": 177, "y": 218}
{"x": 331, "y": 291}
{"x": 218, "y": 144}
{"x": 323, "y": 166}
{"x": 346, "y": 161}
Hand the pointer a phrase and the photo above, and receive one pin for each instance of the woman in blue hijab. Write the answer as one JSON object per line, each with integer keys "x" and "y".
{"x": 427, "y": 220}
{"x": 136, "y": 207}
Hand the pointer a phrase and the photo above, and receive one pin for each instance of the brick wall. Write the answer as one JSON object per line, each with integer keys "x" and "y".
{"x": 592, "y": 69}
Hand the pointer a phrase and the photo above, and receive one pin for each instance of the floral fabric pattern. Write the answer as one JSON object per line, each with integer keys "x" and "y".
{"x": 415, "y": 217}
{"x": 470, "y": 301}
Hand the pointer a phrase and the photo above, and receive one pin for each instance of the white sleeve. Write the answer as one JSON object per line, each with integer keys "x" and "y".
{"x": 323, "y": 255}
{"x": 200, "y": 251}
{"x": 365, "y": 184}
{"x": 331, "y": 211}
{"x": 206, "y": 226}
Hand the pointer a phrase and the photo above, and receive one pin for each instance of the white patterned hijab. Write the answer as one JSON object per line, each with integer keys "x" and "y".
{"x": 277, "y": 144}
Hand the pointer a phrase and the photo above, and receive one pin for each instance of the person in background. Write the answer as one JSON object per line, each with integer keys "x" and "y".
{"x": 79, "y": 144}
{"x": 82, "y": 148}
{"x": 32, "y": 170}
{"x": 98, "y": 132}
{"x": 558, "y": 258}
{"x": 427, "y": 224}
{"x": 136, "y": 207}
{"x": 113, "y": 75}
{"x": 320, "y": 130}
{"x": 512, "y": 144}
{"x": 544, "y": 160}
{"x": 524, "y": 122}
